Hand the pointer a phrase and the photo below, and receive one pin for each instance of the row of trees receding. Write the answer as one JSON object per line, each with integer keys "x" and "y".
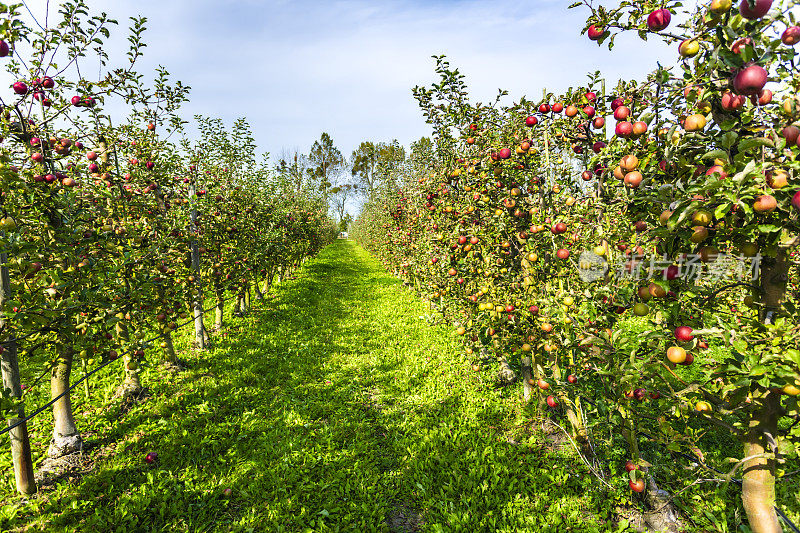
{"x": 114, "y": 232}
{"x": 630, "y": 251}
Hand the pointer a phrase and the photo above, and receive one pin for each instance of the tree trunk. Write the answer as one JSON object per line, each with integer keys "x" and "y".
{"x": 170, "y": 357}
{"x": 758, "y": 480}
{"x": 200, "y": 334}
{"x": 527, "y": 378}
{"x": 506, "y": 374}
{"x": 66, "y": 438}
{"x": 259, "y": 295}
{"x": 20, "y": 443}
{"x": 206, "y": 336}
{"x": 219, "y": 309}
{"x": 238, "y": 306}
{"x": 268, "y": 282}
{"x": 131, "y": 385}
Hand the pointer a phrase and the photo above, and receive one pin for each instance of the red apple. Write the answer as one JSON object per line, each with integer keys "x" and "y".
{"x": 4, "y": 48}
{"x": 791, "y": 133}
{"x": 796, "y": 200}
{"x": 531, "y": 121}
{"x": 791, "y": 35}
{"x": 732, "y": 102}
{"x": 737, "y": 45}
{"x": 750, "y": 80}
{"x": 759, "y": 9}
{"x": 151, "y": 458}
{"x": 595, "y": 32}
{"x": 623, "y": 129}
{"x": 765, "y": 203}
{"x": 551, "y": 401}
{"x": 636, "y": 486}
{"x": 684, "y": 333}
{"x": 659, "y": 19}
{"x": 622, "y": 113}
{"x": 764, "y": 97}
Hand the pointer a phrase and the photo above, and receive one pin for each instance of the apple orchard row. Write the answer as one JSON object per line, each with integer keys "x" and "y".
{"x": 701, "y": 161}
{"x": 113, "y": 233}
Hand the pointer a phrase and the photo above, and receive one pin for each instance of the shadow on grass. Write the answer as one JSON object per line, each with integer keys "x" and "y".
{"x": 333, "y": 407}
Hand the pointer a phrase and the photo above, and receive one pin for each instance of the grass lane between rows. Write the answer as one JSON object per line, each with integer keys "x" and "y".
{"x": 334, "y": 406}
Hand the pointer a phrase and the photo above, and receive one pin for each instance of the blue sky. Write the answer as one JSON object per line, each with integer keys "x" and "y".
{"x": 298, "y": 68}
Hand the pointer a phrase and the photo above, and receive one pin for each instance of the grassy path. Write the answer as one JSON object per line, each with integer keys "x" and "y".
{"x": 333, "y": 407}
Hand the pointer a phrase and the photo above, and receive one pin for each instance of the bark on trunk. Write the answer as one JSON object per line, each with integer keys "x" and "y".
{"x": 527, "y": 378}
{"x": 219, "y": 308}
{"x": 267, "y": 283}
{"x": 170, "y": 357}
{"x": 238, "y": 307}
{"x": 20, "y": 443}
{"x": 200, "y": 334}
{"x": 758, "y": 480}
{"x": 131, "y": 385}
{"x": 66, "y": 438}
{"x": 506, "y": 374}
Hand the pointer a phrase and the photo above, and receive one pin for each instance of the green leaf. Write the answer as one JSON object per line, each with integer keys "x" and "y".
{"x": 755, "y": 142}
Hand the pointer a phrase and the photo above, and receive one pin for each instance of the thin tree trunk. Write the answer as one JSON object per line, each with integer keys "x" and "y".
{"x": 20, "y": 443}
{"x": 131, "y": 384}
{"x": 219, "y": 310}
{"x": 85, "y": 368}
{"x": 170, "y": 357}
{"x": 66, "y": 438}
{"x": 238, "y": 307}
{"x": 200, "y": 334}
{"x": 268, "y": 282}
{"x": 527, "y": 378}
{"x": 758, "y": 479}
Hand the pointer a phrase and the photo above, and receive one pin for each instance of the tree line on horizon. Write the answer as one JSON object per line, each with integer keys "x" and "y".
{"x": 340, "y": 180}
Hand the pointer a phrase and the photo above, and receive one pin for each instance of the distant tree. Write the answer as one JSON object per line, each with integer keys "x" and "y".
{"x": 372, "y": 162}
{"x": 344, "y": 223}
{"x": 326, "y": 161}
{"x": 341, "y": 191}
{"x": 293, "y": 167}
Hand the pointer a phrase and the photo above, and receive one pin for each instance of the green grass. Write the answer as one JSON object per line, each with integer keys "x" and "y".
{"x": 330, "y": 408}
